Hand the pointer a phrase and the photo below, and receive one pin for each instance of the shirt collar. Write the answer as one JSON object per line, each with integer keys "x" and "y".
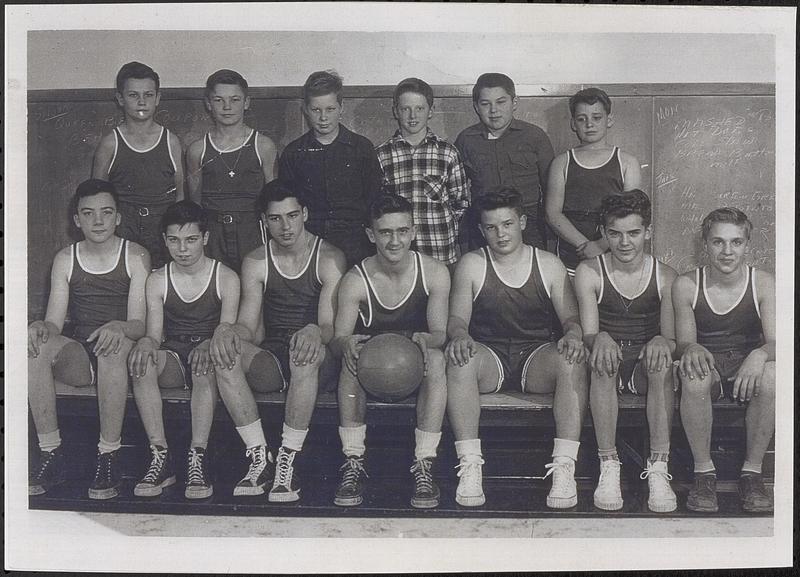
{"x": 430, "y": 135}
{"x": 480, "y": 129}
{"x": 345, "y": 136}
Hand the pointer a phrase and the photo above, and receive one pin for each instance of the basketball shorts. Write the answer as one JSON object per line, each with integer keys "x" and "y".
{"x": 178, "y": 373}
{"x": 278, "y": 349}
{"x": 76, "y": 364}
{"x": 513, "y": 361}
{"x": 631, "y": 377}
{"x": 726, "y": 365}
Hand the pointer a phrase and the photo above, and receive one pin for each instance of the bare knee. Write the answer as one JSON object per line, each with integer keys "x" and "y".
{"x": 604, "y": 383}
{"x": 697, "y": 388}
{"x": 436, "y": 371}
{"x": 767, "y": 389}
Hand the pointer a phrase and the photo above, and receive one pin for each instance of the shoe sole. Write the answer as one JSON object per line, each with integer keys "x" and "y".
{"x": 698, "y": 509}
{"x": 562, "y": 502}
{"x": 613, "y": 506}
{"x": 103, "y": 494}
{"x": 249, "y": 491}
{"x": 668, "y": 507}
{"x": 197, "y": 493}
{"x": 153, "y": 490}
{"x": 766, "y": 509}
{"x": 348, "y": 501}
{"x": 424, "y": 503}
{"x": 474, "y": 501}
{"x": 36, "y": 490}
{"x": 288, "y": 497}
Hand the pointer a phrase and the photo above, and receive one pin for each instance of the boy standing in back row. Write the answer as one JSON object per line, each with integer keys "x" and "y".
{"x": 503, "y": 150}
{"x": 142, "y": 159}
{"x": 425, "y": 170}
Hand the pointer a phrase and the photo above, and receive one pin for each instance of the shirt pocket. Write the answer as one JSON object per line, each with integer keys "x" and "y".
{"x": 433, "y": 186}
{"x": 523, "y": 160}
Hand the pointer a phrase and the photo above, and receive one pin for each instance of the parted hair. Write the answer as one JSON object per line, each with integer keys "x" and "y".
{"x": 493, "y": 80}
{"x": 621, "y": 205}
{"x": 499, "y": 197}
{"x": 135, "y": 70}
{"x": 321, "y": 83}
{"x": 276, "y": 191}
{"x": 589, "y": 96}
{"x": 90, "y": 188}
{"x": 225, "y": 76}
{"x": 388, "y": 204}
{"x": 416, "y": 86}
{"x": 185, "y": 212}
{"x": 726, "y": 214}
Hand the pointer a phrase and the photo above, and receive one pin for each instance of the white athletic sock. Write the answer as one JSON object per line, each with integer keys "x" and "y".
{"x": 105, "y": 447}
{"x": 608, "y": 454}
{"x": 749, "y": 467}
{"x": 201, "y": 444}
{"x": 426, "y": 444}
{"x": 353, "y": 440}
{"x": 565, "y": 448}
{"x": 50, "y": 441}
{"x": 293, "y": 438}
{"x": 252, "y": 434}
{"x": 707, "y": 467}
{"x": 468, "y": 449}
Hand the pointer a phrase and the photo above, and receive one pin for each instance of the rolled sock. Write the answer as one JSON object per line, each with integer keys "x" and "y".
{"x": 659, "y": 456}
{"x": 566, "y": 448}
{"x": 201, "y": 444}
{"x": 749, "y": 467}
{"x": 105, "y": 447}
{"x": 353, "y": 440}
{"x": 292, "y": 438}
{"x": 704, "y": 467}
{"x": 50, "y": 441}
{"x": 426, "y": 444}
{"x": 252, "y": 434}
{"x": 469, "y": 448}
{"x": 608, "y": 454}
{"x": 159, "y": 443}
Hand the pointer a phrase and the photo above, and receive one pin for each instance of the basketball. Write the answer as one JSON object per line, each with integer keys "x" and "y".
{"x": 390, "y": 367}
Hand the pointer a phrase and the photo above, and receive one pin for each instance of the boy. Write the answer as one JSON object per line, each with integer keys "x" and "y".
{"x": 227, "y": 168}
{"x": 186, "y": 300}
{"x": 582, "y": 176}
{"x": 397, "y": 290}
{"x": 629, "y": 326}
{"x": 142, "y": 159}
{"x": 288, "y": 294}
{"x": 425, "y": 170}
{"x": 334, "y": 169}
{"x": 506, "y": 297}
{"x": 503, "y": 150}
{"x": 725, "y": 326}
{"x": 100, "y": 281}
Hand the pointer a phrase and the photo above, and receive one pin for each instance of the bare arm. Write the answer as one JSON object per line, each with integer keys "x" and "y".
{"x": 345, "y": 344}
{"x": 554, "y": 204}
{"x": 668, "y": 276}
{"x": 177, "y": 155}
{"x": 229, "y": 289}
{"x": 58, "y": 300}
{"x": 252, "y": 290}
{"x": 765, "y": 287}
{"x": 587, "y": 288}
{"x": 101, "y": 163}
{"x": 194, "y": 170}
{"x": 565, "y": 304}
{"x": 145, "y": 351}
{"x": 332, "y": 266}
{"x": 631, "y": 172}
{"x": 139, "y": 263}
{"x": 469, "y": 271}
{"x": 268, "y": 153}
{"x": 683, "y": 289}
{"x": 438, "y": 278}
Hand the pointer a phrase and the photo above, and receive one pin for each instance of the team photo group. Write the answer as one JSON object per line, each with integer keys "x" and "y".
{"x": 415, "y": 267}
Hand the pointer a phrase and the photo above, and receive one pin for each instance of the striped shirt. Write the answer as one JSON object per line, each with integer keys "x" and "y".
{"x": 431, "y": 176}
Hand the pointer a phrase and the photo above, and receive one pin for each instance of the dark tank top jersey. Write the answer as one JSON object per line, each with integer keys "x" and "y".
{"x": 96, "y": 298}
{"x": 197, "y": 317}
{"x": 585, "y": 187}
{"x": 505, "y": 315}
{"x": 410, "y": 315}
{"x": 291, "y": 302}
{"x": 738, "y": 328}
{"x": 143, "y": 177}
{"x": 232, "y": 179}
{"x": 637, "y": 319}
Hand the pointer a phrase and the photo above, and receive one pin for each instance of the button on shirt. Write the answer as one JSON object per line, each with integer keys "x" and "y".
{"x": 521, "y": 158}
{"x": 432, "y": 177}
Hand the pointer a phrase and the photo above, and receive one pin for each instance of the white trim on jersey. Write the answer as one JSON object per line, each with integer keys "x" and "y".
{"x": 171, "y": 157}
{"x": 235, "y": 148}
{"x": 71, "y": 261}
{"x": 116, "y": 148}
{"x": 113, "y": 266}
{"x": 483, "y": 279}
{"x": 527, "y": 276}
{"x": 302, "y": 271}
{"x": 602, "y": 278}
{"x": 198, "y": 295}
{"x": 258, "y": 154}
{"x": 216, "y": 280}
{"x": 365, "y": 322}
{"x": 641, "y": 292}
{"x": 611, "y": 156}
{"x": 755, "y": 294}
{"x": 316, "y": 260}
{"x": 134, "y": 149}
{"x": 733, "y": 306}
{"x": 203, "y": 154}
{"x": 408, "y": 294}
{"x": 266, "y": 267}
{"x": 422, "y": 272}
{"x": 696, "y": 287}
{"x": 658, "y": 277}
{"x": 166, "y": 282}
{"x": 541, "y": 272}
{"x": 127, "y": 252}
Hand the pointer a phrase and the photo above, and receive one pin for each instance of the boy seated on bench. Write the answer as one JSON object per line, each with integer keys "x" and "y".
{"x": 186, "y": 300}
{"x": 100, "y": 281}
{"x": 504, "y": 301}
{"x": 725, "y": 327}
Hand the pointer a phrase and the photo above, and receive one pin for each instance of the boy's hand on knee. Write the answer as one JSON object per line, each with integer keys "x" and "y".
{"x": 352, "y": 347}
{"x": 571, "y": 346}
{"x": 606, "y": 355}
{"x": 696, "y": 362}
{"x": 421, "y": 341}
{"x": 38, "y": 333}
{"x": 656, "y": 354}
{"x": 109, "y": 338}
{"x": 225, "y": 346}
{"x": 200, "y": 359}
{"x": 305, "y": 345}
{"x": 460, "y": 350}
{"x": 142, "y": 354}
{"x": 748, "y": 377}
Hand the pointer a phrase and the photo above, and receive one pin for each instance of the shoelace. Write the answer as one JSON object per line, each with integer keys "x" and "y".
{"x": 104, "y": 460}
{"x": 44, "y": 463}
{"x": 353, "y": 468}
{"x": 155, "y": 465}
{"x": 464, "y": 470}
{"x": 284, "y": 472}
{"x": 195, "y": 473}
{"x": 259, "y": 462}
{"x": 551, "y": 467}
{"x": 422, "y": 475}
{"x": 651, "y": 471}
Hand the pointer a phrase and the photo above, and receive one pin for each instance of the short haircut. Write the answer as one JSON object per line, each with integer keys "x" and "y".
{"x": 621, "y": 205}
{"x": 416, "y": 86}
{"x": 321, "y": 83}
{"x": 136, "y": 70}
{"x": 589, "y": 96}
{"x": 276, "y": 191}
{"x": 493, "y": 80}
{"x": 182, "y": 213}
{"x": 92, "y": 187}
{"x": 388, "y": 204}
{"x": 726, "y": 214}
{"x": 225, "y": 76}
{"x": 499, "y": 197}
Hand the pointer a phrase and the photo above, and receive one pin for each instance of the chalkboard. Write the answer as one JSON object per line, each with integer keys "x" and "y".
{"x": 709, "y": 153}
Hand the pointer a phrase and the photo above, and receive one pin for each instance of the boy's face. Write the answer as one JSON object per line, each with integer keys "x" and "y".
{"x": 392, "y": 235}
{"x": 502, "y": 228}
{"x": 139, "y": 99}
{"x": 591, "y": 122}
{"x": 185, "y": 243}
{"x": 323, "y": 113}
{"x": 412, "y": 113}
{"x": 285, "y": 221}
{"x": 626, "y": 237}
{"x": 227, "y": 104}
{"x": 97, "y": 217}
{"x": 726, "y": 245}
{"x": 495, "y": 107}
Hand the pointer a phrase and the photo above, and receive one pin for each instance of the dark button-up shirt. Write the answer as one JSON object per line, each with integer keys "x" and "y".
{"x": 520, "y": 158}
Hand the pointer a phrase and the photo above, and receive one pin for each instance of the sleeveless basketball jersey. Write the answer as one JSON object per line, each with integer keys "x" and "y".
{"x": 585, "y": 187}
{"x": 291, "y": 302}
{"x": 637, "y": 319}
{"x": 410, "y": 315}
{"x": 738, "y": 328}
{"x": 505, "y": 315}
{"x": 232, "y": 180}
{"x": 97, "y": 297}
{"x": 143, "y": 177}
{"x": 196, "y": 317}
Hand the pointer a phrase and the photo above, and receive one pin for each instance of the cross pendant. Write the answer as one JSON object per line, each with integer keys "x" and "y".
{"x": 231, "y": 173}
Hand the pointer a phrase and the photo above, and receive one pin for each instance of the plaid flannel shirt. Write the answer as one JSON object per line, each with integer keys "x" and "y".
{"x": 432, "y": 177}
